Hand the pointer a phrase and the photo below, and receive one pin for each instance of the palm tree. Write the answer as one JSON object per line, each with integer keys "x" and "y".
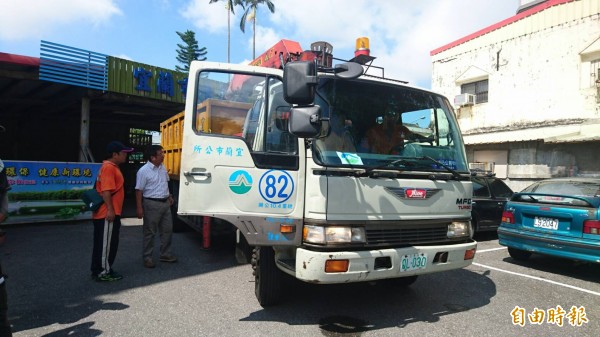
{"x": 189, "y": 51}
{"x": 230, "y": 10}
{"x": 250, "y": 7}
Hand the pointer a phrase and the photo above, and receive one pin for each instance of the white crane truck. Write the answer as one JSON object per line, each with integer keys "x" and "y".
{"x": 331, "y": 175}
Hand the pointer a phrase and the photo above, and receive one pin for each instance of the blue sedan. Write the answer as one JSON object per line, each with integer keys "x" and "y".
{"x": 557, "y": 217}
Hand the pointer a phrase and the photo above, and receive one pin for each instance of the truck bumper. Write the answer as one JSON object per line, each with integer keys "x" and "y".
{"x": 381, "y": 264}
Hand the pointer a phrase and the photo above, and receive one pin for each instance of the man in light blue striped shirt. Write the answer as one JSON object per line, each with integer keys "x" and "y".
{"x": 154, "y": 202}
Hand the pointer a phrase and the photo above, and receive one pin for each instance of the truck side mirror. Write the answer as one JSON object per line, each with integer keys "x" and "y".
{"x": 305, "y": 122}
{"x": 299, "y": 81}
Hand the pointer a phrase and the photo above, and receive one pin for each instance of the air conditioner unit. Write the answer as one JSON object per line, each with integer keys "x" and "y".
{"x": 482, "y": 167}
{"x": 465, "y": 99}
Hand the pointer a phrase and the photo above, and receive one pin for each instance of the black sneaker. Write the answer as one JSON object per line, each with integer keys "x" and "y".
{"x": 115, "y": 274}
{"x": 148, "y": 263}
{"x": 108, "y": 278}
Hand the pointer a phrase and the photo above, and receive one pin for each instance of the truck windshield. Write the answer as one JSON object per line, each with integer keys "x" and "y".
{"x": 373, "y": 123}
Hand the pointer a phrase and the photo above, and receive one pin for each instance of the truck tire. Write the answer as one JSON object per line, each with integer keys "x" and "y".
{"x": 267, "y": 277}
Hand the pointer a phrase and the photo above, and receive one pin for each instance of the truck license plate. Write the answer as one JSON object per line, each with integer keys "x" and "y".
{"x": 413, "y": 262}
{"x": 547, "y": 223}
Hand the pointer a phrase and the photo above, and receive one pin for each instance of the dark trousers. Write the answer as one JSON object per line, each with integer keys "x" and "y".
{"x": 4, "y": 323}
{"x": 106, "y": 243}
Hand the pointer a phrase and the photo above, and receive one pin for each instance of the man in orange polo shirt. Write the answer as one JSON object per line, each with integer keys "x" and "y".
{"x": 107, "y": 219}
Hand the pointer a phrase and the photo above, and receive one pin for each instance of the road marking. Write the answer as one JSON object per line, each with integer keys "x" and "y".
{"x": 539, "y": 279}
{"x": 490, "y": 250}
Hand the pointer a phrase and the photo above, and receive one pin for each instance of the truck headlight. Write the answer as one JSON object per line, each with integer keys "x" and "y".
{"x": 458, "y": 229}
{"x": 333, "y": 234}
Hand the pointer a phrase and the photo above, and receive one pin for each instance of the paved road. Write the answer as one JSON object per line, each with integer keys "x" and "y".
{"x": 208, "y": 294}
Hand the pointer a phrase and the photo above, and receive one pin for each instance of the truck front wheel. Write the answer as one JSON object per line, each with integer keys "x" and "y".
{"x": 267, "y": 277}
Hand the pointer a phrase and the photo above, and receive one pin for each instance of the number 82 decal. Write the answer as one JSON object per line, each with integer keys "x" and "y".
{"x": 276, "y": 186}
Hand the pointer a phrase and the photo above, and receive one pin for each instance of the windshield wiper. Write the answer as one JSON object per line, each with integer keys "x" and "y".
{"x": 408, "y": 163}
{"x": 389, "y": 164}
{"x": 448, "y": 168}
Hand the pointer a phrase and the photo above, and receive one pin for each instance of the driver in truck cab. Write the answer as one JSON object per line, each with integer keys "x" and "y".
{"x": 388, "y": 134}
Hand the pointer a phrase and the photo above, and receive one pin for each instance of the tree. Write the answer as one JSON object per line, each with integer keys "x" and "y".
{"x": 250, "y": 7}
{"x": 189, "y": 52}
{"x": 230, "y": 5}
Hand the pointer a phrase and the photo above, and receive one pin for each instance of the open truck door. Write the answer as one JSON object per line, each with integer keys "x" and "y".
{"x": 239, "y": 163}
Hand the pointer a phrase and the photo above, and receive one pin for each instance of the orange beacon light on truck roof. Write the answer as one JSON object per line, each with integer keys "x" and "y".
{"x": 362, "y": 47}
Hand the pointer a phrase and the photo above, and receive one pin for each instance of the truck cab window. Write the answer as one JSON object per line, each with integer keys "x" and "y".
{"x": 371, "y": 123}
{"x": 247, "y": 106}
{"x": 278, "y": 138}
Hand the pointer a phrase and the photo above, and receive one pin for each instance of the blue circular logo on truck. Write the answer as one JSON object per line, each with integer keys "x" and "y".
{"x": 276, "y": 186}
{"x": 240, "y": 182}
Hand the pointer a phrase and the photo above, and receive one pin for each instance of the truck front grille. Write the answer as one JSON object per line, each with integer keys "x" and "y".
{"x": 406, "y": 235}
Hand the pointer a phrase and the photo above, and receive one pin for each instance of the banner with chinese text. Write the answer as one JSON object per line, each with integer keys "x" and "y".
{"x": 48, "y": 191}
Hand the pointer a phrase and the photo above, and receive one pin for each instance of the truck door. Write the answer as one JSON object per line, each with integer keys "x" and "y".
{"x": 238, "y": 161}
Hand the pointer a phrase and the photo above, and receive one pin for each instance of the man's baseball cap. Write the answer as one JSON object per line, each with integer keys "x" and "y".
{"x": 117, "y": 147}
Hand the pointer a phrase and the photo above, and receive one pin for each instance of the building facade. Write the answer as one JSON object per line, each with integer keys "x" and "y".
{"x": 527, "y": 91}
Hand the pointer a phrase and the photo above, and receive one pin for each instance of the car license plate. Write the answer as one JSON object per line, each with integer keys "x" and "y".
{"x": 547, "y": 223}
{"x": 413, "y": 262}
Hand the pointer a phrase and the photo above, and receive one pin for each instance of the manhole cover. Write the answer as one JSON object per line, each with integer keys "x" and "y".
{"x": 343, "y": 326}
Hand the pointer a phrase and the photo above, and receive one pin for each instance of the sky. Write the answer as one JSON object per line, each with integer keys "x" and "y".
{"x": 402, "y": 33}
